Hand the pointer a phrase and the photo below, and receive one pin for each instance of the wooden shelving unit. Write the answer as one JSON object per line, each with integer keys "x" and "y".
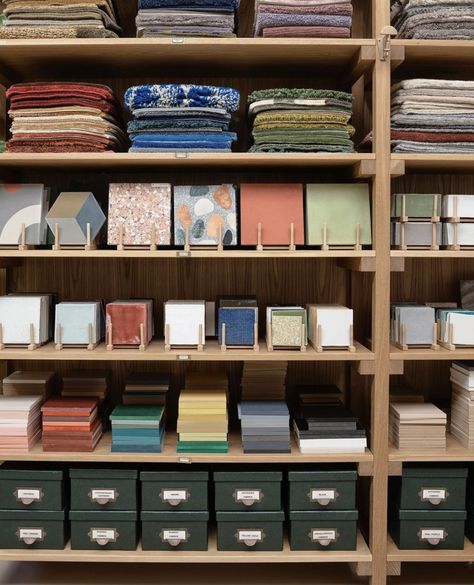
{"x": 395, "y": 555}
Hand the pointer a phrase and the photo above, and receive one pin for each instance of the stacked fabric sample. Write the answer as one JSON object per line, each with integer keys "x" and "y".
{"x": 301, "y": 120}
{"x": 46, "y": 19}
{"x": 433, "y": 19}
{"x": 265, "y": 426}
{"x": 20, "y": 422}
{"x": 137, "y": 429}
{"x": 303, "y": 18}
{"x": 181, "y": 118}
{"x": 410, "y": 423}
{"x": 71, "y": 424}
{"x": 433, "y": 115}
{"x": 186, "y": 18}
{"x": 64, "y": 117}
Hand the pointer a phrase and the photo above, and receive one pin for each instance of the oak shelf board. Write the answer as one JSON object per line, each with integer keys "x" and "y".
{"x": 432, "y": 254}
{"x": 179, "y": 254}
{"x": 394, "y": 554}
{"x": 212, "y": 555}
{"x": 435, "y": 52}
{"x": 436, "y": 162}
{"x": 124, "y": 160}
{"x": 211, "y": 352}
{"x": 27, "y": 60}
{"x": 454, "y": 451}
{"x": 102, "y": 453}
{"x": 431, "y": 354}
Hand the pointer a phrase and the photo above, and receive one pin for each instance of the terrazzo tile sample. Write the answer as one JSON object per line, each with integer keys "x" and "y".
{"x": 140, "y": 208}
{"x": 23, "y": 204}
{"x": 286, "y": 325}
{"x": 205, "y": 210}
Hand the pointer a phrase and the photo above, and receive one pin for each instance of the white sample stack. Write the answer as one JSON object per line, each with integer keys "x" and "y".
{"x": 462, "y": 402}
{"x": 185, "y": 323}
{"x": 24, "y": 319}
{"x": 412, "y": 425}
{"x": 20, "y": 422}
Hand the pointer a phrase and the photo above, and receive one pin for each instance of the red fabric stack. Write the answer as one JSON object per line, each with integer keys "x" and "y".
{"x": 64, "y": 117}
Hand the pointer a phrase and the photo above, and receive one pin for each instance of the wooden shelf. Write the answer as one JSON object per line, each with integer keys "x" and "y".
{"x": 432, "y": 254}
{"x": 211, "y": 352}
{"x": 431, "y": 354}
{"x": 103, "y": 454}
{"x": 436, "y": 52}
{"x": 125, "y": 160}
{"x": 435, "y": 163}
{"x": 394, "y": 554}
{"x": 31, "y": 60}
{"x": 212, "y": 555}
{"x": 454, "y": 452}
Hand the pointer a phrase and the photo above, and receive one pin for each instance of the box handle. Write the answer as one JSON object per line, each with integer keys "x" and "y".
{"x": 174, "y": 496}
{"x": 31, "y": 535}
{"x": 434, "y": 496}
{"x": 103, "y": 496}
{"x": 28, "y": 495}
{"x": 250, "y": 536}
{"x": 323, "y": 496}
{"x": 174, "y": 536}
{"x": 103, "y": 536}
{"x": 248, "y": 497}
{"x": 432, "y": 535}
{"x": 324, "y": 537}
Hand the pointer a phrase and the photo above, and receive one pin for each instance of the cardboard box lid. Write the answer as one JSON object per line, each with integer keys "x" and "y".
{"x": 437, "y": 472}
{"x": 30, "y": 515}
{"x": 102, "y": 517}
{"x": 433, "y": 515}
{"x": 103, "y": 473}
{"x": 325, "y": 515}
{"x": 332, "y": 475}
{"x": 32, "y": 474}
{"x": 251, "y": 518}
{"x": 178, "y": 516}
{"x": 248, "y": 476}
{"x": 179, "y": 476}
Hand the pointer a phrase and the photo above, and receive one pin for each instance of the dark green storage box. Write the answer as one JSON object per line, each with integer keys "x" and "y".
{"x": 429, "y": 529}
{"x": 324, "y": 530}
{"x": 32, "y": 489}
{"x": 103, "y": 530}
{"x": 174, "y": 530}
{"x": 103, "y": 489}
{"x": 431, "y": 488}
{"x": 250, "y": 531}
{"x": 174, "y": 490}
{"x": 31, "y": 529}
{"x": 322, "y": 490}
{"x": 470, "y": 521}
{"x": 247, "y": 491}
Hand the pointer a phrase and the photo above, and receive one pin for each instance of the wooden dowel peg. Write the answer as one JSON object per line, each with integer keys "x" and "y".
{"x": 256, "y": 346}
{"x": 89, "y": 243}
{"x": 435, "y": 216}
{"x": 456, "y": 245}
{"x": 435, "y": 344}
{"x": 319, "y": 338}
{"x": 292, "y": 246}
{"x": 91, "y": 344}
{"x": 269, "y": 336}
{"x": 403, "y": 216}
{"x": 23, "y": 245}
{"x": 200, "y": 338}
{"x": 59, "y": 341}
{"x": 110, "y": 342}
{"x": 434, "y": 237}
{"x": 142, "y": 345}
{"x": 325, "y": 245}
{"x": 303, "y": 337}
{"x": 351, "y": 339}
{"x": 259, "y": 238}
{"x": 186, "y": 239}
{"x": 153, "y": 238}
{"x": 402, "y": 237}
{"x": 357, "y": 237}
{"x": 167, "y": 337}
{"x": 223, "y": 345}
{"x": 456, "y": 217}
{"x": 121, "y": 237}
{"x": 57, "y": 242}
{"x": 220, "y": 245}
{"x": 32, "y": 345}
{"x": 2, "y": 345}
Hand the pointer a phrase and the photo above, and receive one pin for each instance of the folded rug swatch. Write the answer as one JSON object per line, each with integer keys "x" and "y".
{"x": 181, "y": 118}
{"x": 433, "y": 19}
{"x": 64, "y": 117}
{"x": 304, "y": 18}
{"x": 59, "y": 19}
{"x": 301, "y": 120}
{"x": 432, "y": 115}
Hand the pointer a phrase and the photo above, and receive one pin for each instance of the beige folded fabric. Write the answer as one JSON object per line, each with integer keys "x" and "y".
{"x": 55, "y": 32}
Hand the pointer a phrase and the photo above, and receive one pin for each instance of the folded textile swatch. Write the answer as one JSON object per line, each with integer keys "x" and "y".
{"x": 181, "y": 118}
{"x": 433, "y": 19}
{"x": 59, "y": 19}
{"x": 64, "y": 117}
{"x": 301, "y": 120}
{"x": 305, "y": 18}
{"x": 432, "y": 115}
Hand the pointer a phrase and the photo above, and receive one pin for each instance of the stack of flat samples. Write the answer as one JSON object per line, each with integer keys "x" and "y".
{"x": 138, "y": 428}
{"x": 415, "y": 220}
{"x": 25, "y": 319}
{"x": 29, "y": 383}
{"x": 265, "y": 426}
{"x": 318, "y": 394}
{"x": 202, "y": 414}
{"x": 456, "y": 327}
{"x": 79, "y": 323}
{"x": 412, "y": 425}
{"x": 264, "y": 380}
{"x": 462, "y": 402}
{"x": 458, "y": 220}
{"x": 412, "y": 324}
{"x": 20, "y": 422}
{"x": 129, "y": 322}
{"x": 89, "y": 384}
{"x": 320, "y": 429}
{"x": 146, "y": 388}
{"x": 286, "y": 327}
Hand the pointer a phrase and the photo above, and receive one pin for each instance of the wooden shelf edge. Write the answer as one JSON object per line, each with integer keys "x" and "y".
{"x": 454, "y": 451}
{"x": 394, "y": 554}
{"x": 442, "y": 354}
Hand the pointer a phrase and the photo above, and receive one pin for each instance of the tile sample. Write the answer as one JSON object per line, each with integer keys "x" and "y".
{"x": 19, "y": 312}
{"x": 461, "y": 206}
{"x": 126, "y": 317}
{"x": 185, "y": 319}
{"x": 417, "y": 233}
{"x": 74, "y": 319}
{"x": 417, "y": 321}
{"x": 72, "y": 212}
{"x": 20, "y": 422}
{"x": 417, "y": 205}
{"x": 23, "y": 204}
{"x": 334, "y": 323}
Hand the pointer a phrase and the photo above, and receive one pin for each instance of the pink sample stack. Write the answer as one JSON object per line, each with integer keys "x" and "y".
{"x": 20, "y": 422}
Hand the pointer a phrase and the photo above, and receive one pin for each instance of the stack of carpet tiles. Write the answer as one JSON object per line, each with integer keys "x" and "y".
{"x": 181, "y": 118}
{"x": 64, "y": 117}
{"x": 433, "y": 115}
{"x": 303, "y": 18}
{"x": 46, "y": 19}
{"x": 186, "y": 18}
{"x": 433, "y": 19}
{"x": 301, "y": 120}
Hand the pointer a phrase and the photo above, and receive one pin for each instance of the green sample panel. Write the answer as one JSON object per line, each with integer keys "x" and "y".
{"x": 103, "y": 530}
{"x": 174, "y": 530}
{"x": 31, "y": 489}
{"x": 322, "y": 490}
{"x": 174, "y": 490}
{"x": 256, "y": 531}
{"x": 247, "y": 491}
{"x": 103, "y": 489}
{"x": 327, "y": 530}
{"x": 33, "y": 529}
{"x": 417, "y": 205}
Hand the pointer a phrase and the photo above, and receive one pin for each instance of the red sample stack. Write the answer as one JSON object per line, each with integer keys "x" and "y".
{"x": 64, "y": 117}
{"x": 71, "y": 424}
